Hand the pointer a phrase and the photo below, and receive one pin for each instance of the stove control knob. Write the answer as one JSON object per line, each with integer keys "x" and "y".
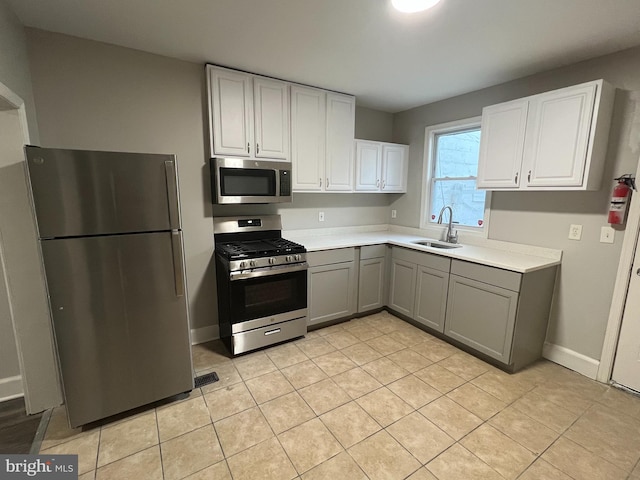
{"x": 297, "y": 257}
{"x": 288, "y": 258}
{"x": 272, "y": 260}
{"x": 243, "y": 264}
{"x": 252, "y": 263}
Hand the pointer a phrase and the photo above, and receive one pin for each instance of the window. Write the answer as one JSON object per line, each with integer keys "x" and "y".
{"x": 451, "y": 165}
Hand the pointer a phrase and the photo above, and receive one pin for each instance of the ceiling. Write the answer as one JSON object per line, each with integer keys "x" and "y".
{"x": 390, "y": 61}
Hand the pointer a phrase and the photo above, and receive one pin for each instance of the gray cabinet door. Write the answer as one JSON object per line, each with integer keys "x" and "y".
{"x": 431, "y": 297}
{"x": 403, "y": 287}
{"x": 331, "y": 292}
{"x": 481, "y": 316}
{"x": 371, "y": 285}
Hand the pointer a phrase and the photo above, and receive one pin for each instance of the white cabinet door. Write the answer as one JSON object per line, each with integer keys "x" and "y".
{"x": 271, "y": 104}
{"x": 341, "y": 115}
{"x": 559, "y": 137}
{"x": 368, "y": 166}
{"x": 232, "y": 113}
{"x": 394, "y": 168}
{"x": 502, "y": 145}
{"x": 308, "y": 112}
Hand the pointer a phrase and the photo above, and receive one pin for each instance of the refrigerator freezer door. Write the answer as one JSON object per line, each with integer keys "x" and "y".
{"x": 78, "y": 193}
{"x": 121, "y": 329}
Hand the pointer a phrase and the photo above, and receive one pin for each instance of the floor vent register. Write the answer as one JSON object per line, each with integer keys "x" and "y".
{"x": 206, "y": 379}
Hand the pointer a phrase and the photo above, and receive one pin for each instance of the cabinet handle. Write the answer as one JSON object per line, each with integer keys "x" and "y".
{"x": 383, "y": 184}
{"x": 327, "y": 182}
{"x": 529, "y": 177}
{"x": 257, "y": 148}
{"x": 320, "y": 182}
{"x": 516, "y": 180}
{"x": 248, "y": 147}
{"x": 378, "y": 183}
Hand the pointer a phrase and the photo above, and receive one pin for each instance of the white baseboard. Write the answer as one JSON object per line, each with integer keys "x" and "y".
{"x": 204, "y": 334}
{"x": 575, "y": 361}
{"x": 10, "y": 388}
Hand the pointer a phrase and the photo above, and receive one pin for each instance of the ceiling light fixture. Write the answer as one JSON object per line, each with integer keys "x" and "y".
{"x": 413, "y": 6}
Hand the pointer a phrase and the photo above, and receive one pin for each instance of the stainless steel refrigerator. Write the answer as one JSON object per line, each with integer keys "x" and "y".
{"x": 109, "y": 229}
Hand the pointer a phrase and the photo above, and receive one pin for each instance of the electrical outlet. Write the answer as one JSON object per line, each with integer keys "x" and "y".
{"x": 394, "y": 213}
{"x": 321, "y": 216}
{"x": 607, "y": 234}
{"x": 575, "y": 232}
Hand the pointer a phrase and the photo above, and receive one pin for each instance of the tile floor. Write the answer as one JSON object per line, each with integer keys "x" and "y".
{"x": 370, "y": 398}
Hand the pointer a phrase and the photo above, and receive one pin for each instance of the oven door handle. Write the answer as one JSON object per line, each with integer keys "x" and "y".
{"x": 267, "y": 271}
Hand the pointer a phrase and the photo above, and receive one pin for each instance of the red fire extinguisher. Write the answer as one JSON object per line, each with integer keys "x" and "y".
{"x": 620, "y": 199}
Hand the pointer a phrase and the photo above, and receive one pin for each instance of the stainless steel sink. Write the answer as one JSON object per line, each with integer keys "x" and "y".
{"x": 436, "y": 244}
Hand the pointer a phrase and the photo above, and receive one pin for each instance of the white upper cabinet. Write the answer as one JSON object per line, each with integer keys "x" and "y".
{"x": 322, "y": 133}
{"x": 231, "y": 112}
{"x": 381, "y": 167}
{"x": 395, "y": 159}
{"x": 502, "y": 144}
{"x": 308, "y": 113}
{"x": 271, "y": 106}
{"x": 368, "y": 166}
{"x": 552, "y": 141}
{"x": 248, "y": 115}
{"x": 341, "y": 121}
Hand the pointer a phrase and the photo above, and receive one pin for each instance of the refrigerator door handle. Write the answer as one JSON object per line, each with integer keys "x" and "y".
{"x": 178, "y": 270}
{"x": 172, "y": 194}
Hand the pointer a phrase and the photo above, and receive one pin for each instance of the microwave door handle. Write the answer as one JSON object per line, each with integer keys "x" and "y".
{"x": 267, "y": 271}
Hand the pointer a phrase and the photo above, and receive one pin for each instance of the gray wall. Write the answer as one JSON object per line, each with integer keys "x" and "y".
{"x": 584, "y": 292}
{"x": 22, "y": 267}
{"x": 97, "y": 96}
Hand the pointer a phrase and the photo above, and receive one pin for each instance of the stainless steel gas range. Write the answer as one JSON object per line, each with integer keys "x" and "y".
{"x": 262, "y": 283}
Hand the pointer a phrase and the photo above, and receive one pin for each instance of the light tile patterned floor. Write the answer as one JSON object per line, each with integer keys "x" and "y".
{"x": 371, "y": 398}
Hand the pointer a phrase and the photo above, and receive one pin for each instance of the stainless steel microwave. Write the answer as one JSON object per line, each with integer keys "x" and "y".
{"x": 237, "y": 180}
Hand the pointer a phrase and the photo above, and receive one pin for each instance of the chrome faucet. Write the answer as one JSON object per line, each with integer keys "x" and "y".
{"x": 452, "y": 236}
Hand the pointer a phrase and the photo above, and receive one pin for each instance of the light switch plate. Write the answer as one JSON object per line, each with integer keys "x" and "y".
{"x": 607, "y": 234}
{"x": 575, "y": 232}
{"x": 321, "y": 216}
{"x": 394, "y": 213}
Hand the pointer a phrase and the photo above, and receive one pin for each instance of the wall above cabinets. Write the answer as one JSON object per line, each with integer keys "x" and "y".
{"x": 552, "y": 141}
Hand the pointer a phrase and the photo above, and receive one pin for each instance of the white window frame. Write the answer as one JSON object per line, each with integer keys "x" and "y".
{"x": 427, "y": 180}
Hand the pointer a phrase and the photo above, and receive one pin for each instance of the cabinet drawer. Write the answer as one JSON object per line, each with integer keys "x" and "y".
{"x": 420, "y": 258}
{"x": 327, "y": 257}
{"x": 490, "y": 275}
{"x": 372, "y": 251}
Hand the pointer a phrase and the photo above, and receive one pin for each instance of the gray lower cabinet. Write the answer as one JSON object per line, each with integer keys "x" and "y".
{"x": 331, "y": 285}
{"x": 499, "y": 313}
{"x": 402, "y": 293}
{"x": 419, "y": 284}
{"x": 431, "y": 297}
{"x": 372, "y": 278}
{"x": 481, "y": 316}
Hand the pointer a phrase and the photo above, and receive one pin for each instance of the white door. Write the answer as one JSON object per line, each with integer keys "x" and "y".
{"x": 271, "y": 106}
{"x": 557, "y": 147}
{"x": 341, "y": 122}
{"x": 308, "y": 112}
{"x": 502, "y": 145}
{"x": 232, "y": 113}
{"x": 394, "y": 168}
{"x": 626, "y": 369}
{"x": 368, "y": 166}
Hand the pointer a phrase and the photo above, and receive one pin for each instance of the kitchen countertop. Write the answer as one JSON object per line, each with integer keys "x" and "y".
{"x": 515, "y": 257}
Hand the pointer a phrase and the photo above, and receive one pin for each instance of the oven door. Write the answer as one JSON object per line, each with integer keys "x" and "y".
{"x": 267, "y": 296}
